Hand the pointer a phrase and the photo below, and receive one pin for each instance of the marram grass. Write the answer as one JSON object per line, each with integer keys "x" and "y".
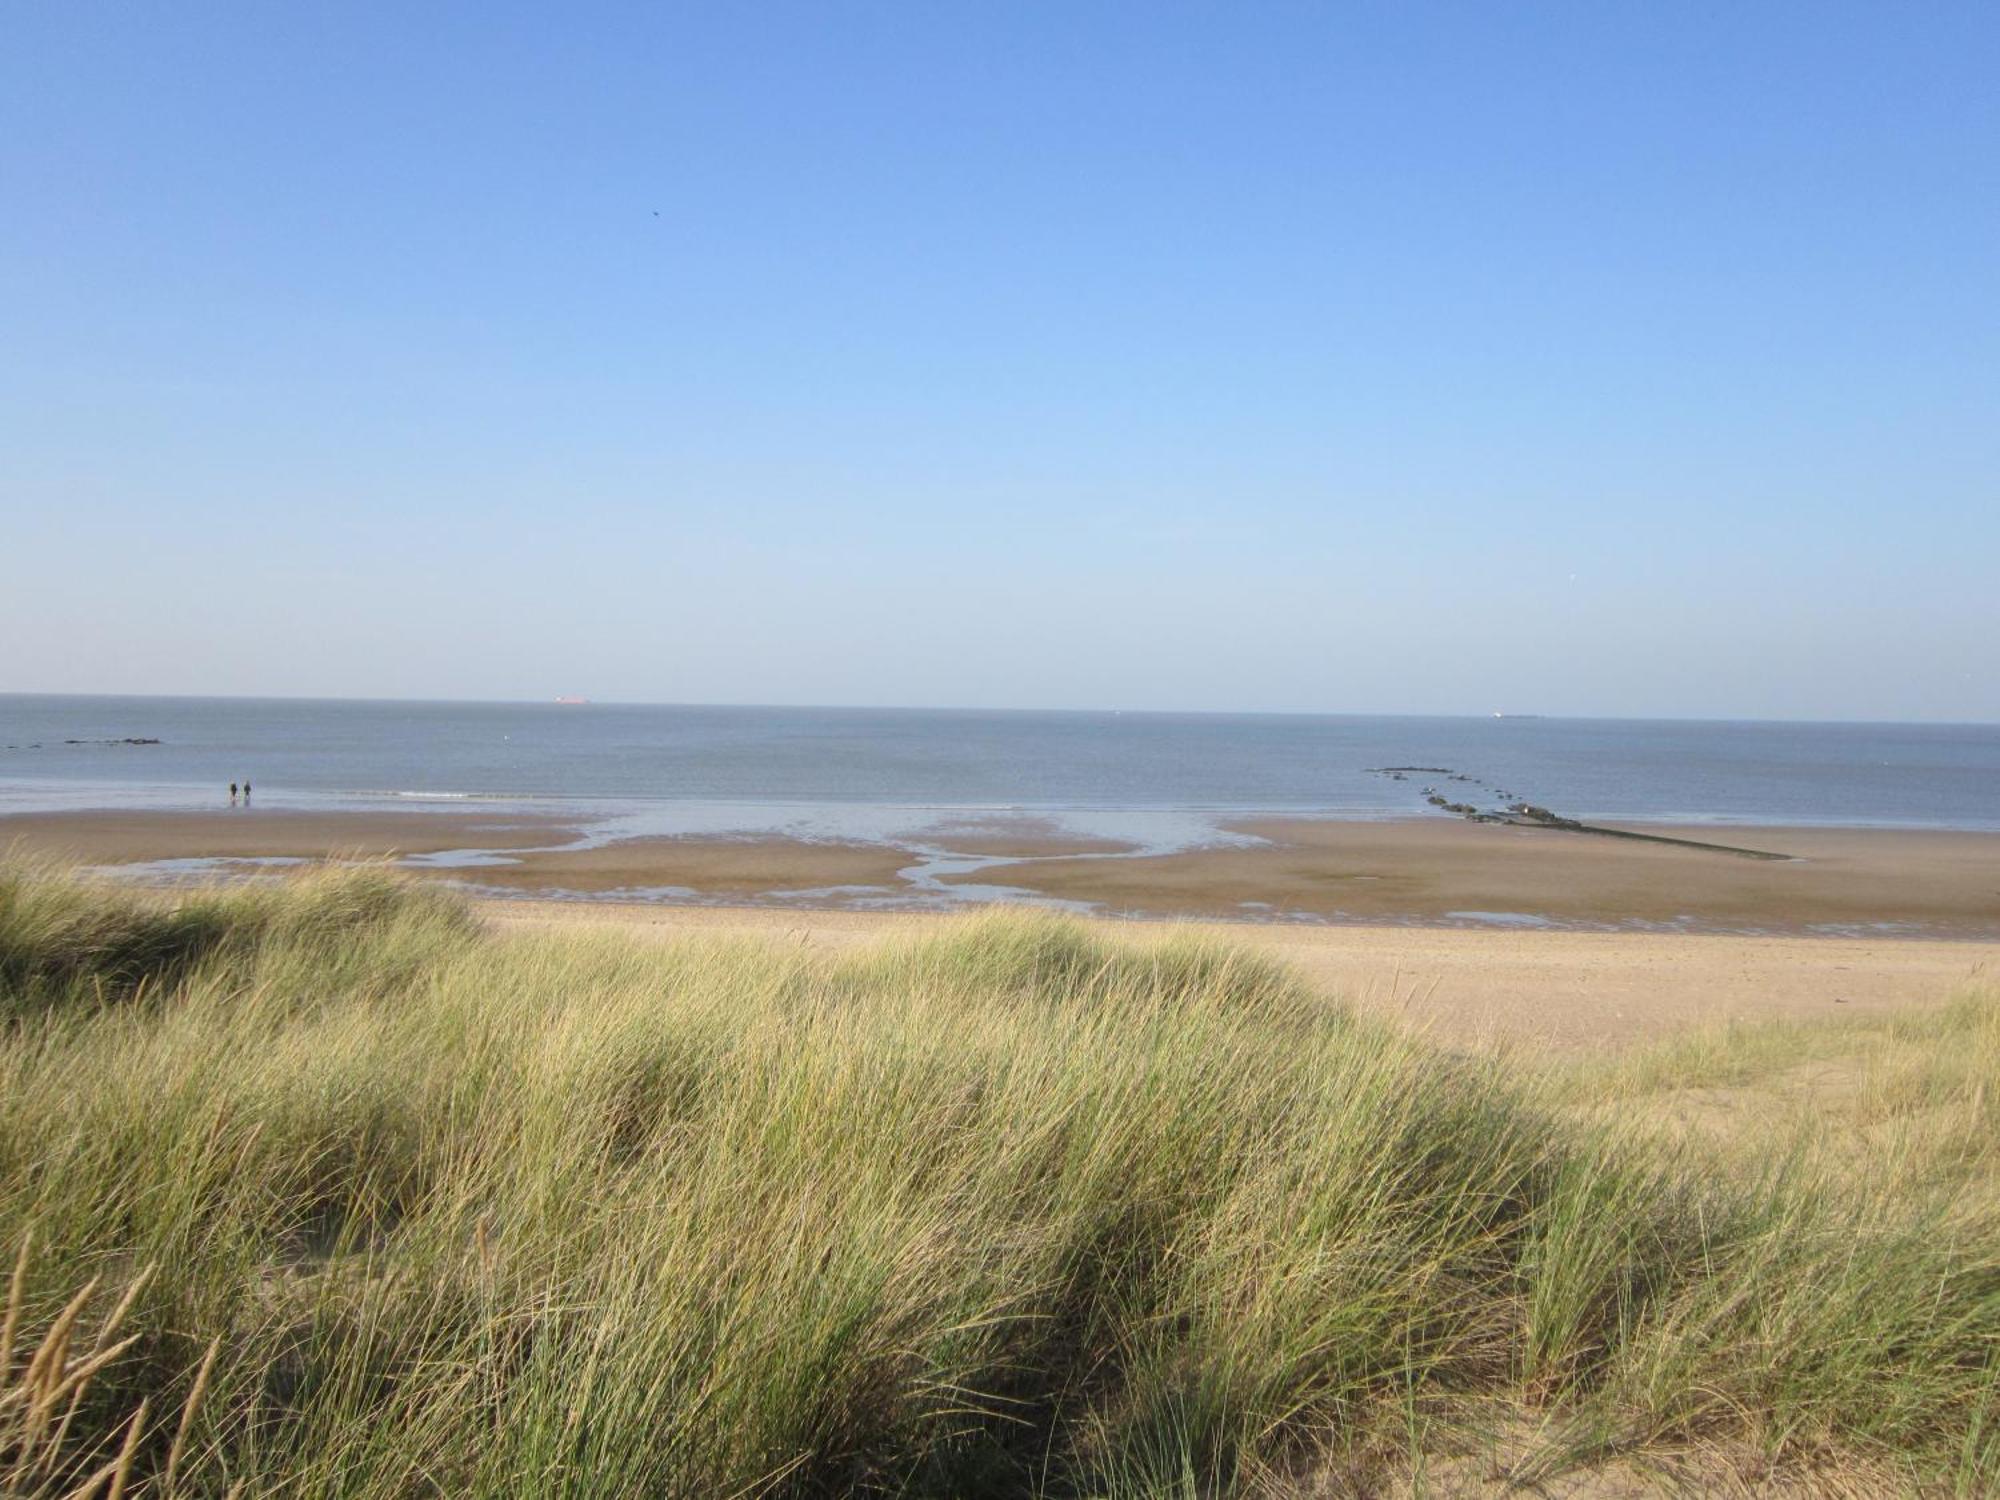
{"x": 318, "y": 1191}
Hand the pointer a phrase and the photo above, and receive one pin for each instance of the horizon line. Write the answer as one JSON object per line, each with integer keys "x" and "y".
{"x": 555, "y": 701}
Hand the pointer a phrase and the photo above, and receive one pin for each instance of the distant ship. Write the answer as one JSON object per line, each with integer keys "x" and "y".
{"x": 571, "y": 699}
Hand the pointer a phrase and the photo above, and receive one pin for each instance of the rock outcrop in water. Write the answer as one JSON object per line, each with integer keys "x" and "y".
{"x": 1516, "y": 812}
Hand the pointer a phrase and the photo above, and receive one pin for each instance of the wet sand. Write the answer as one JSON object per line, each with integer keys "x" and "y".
{"x": 1941, "y": 883}
{"x": 1014, "y": 837}
{"x": 1540, "y": 989}
{"x": 117, "y": 837}
{"x": 712, "y": 867}
{"x": 732, "y": 869}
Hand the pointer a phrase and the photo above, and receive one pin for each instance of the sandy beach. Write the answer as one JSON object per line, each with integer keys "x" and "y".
{"x": 1857, "y": 882}
{"x": 1473, "y": 930}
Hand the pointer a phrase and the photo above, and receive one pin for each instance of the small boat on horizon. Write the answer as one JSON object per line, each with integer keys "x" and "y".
{"x": 571, "y": 700}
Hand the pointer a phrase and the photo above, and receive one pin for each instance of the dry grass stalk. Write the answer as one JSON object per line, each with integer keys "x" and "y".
{"x": 188, "y": 1411}
{"x": 29, "y": 1398}
{"x": 15, "y": 1287}
{"x": 124, "y": 1469}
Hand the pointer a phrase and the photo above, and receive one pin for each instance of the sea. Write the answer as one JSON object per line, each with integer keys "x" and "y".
{"x": 1162, "y": 780}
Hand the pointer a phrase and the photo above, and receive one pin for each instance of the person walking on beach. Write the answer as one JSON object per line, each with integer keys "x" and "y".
{"x": 246, "y": 794}
{"x": 232, "y": 794}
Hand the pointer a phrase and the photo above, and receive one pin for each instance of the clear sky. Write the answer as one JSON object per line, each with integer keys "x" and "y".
{"x": 1593, "y": 358}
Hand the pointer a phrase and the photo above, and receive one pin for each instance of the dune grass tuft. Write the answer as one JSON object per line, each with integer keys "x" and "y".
{"x": 331, "y": 1194}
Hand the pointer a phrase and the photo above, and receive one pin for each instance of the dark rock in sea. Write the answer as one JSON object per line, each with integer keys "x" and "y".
{"x": 1533, "y": 813}
{"x": 1445, "y": 804}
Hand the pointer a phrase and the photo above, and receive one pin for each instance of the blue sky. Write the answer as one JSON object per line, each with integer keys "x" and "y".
{"x": 1437, "y": 358}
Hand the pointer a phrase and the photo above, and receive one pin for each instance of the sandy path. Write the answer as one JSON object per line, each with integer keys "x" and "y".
{"x": 1564, "y": 989}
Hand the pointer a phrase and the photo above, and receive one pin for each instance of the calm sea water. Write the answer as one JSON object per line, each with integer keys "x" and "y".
{"x": 836, "y": 769}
